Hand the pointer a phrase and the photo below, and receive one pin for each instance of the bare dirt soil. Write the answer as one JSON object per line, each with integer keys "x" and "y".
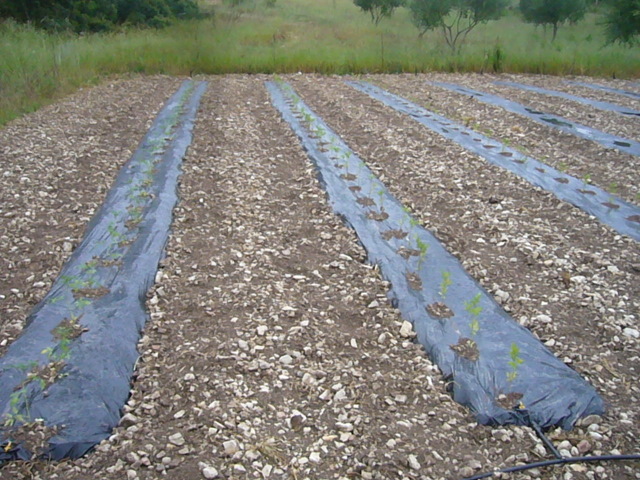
{"x": 272, "y": 351}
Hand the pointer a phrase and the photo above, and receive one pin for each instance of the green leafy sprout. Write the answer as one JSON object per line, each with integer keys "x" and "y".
{"x": 424, "y": 248}
{"x": 474, "y": 309}
{"x": 514, "y": 363}
{"x": 445, "y": 284}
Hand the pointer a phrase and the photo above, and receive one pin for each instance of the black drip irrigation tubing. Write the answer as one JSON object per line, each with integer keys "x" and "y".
{"x": 72, "y": 365}
{"x": 493, "y": 362}
{"x": 624, "y": 145}
{"x": 557, "y": 461}
{"x": 618, "y": 91}
{"x": 611, "y": 107}
{"x": 622, "y": 216}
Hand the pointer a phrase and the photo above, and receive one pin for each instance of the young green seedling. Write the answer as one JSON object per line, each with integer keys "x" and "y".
{"x": 381, "y": 195}
{"x": 423, "y": 247}
{"x": 444, "y": 284}
{"x": 514, "y": 363}
{"x": 474, "y": 309}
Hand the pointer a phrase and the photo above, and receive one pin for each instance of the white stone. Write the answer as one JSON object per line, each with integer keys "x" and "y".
{"x": 177, "y": 439}
{"x": 406, "y": 330}
{"x": 286, "y": 359}
{"x": 262, "y": 329}
{"x": 413, "y": 462}
{"x": 209, "y": 472}
{"x": 631, "y": 333}
{"x": 231, "y": 447}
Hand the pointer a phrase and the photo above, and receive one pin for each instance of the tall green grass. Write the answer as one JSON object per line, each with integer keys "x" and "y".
{"x": 324, "y": 36}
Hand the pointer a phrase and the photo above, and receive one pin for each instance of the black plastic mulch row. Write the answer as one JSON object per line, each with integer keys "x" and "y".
{"x": 73, "y": 363}
{"x": 622, "y": 216}
{"x": 494, "y": 363}
{"x": 610, "y": 141}
{"x": 611, "y": 107}
{"x": 593, "y": 86}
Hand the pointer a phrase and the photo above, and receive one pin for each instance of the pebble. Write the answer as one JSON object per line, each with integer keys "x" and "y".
{"x": 177, "y": 439}
{"x": 209, "y": 472}
{"x": 262, "y": 330}
{"x": 286, "y": 359}
{"x": 413, "y": 463}
{"x": 128, "y": 420}
{"x": 131, "y": 474}
{"x": 590, "y": 420}
{"x": 406, "y": 330}
{"x": 631, "y": 333}
{"x": 231, "y": 447}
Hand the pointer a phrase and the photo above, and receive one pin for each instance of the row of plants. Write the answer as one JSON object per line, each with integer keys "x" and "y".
{"x": 87, "y": 278}
{"x": 495, "y": 366}
{"x": 407, "y": 239}
{"x": 623, "y": 216}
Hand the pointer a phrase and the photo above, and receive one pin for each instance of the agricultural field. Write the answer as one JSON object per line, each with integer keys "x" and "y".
{"x": 273, "y": 349}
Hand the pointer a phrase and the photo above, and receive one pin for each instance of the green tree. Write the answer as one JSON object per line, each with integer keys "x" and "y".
{"x": 456, "y": 18}
{"x": 553, "y": 12}
{"x": 378, "y": 9}
{"x": 96, "y": 15}
{"x": 622, "y": 21}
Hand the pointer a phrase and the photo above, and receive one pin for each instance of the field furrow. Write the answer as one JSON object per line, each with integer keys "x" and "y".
{"x": 609, "y": 169}
{"x": 273, "y": 351}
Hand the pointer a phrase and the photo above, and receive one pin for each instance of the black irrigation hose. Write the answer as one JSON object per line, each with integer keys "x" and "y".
{"x": 557, "y": 461}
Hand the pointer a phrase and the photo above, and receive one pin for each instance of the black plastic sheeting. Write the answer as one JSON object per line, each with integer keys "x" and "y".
{"x": 593, "y": 86}
{"x": 103, "y": 286}
{"x": 622, "y": 216}
{"x": 611, "y": 107}
{"x": 553, "y": 393}
{"x": 610, "y": 141}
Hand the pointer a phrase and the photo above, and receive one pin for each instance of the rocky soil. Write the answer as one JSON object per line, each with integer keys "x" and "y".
{"x": 272, "y": 351}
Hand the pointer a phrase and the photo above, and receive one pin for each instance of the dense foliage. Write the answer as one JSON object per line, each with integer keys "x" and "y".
{"x": 456, "y": 18}
{"x": 96, "y": 15}
{"x": 378, "y": 9}
{"x": 553, "y": 12}
{"x": 622, "y": 21}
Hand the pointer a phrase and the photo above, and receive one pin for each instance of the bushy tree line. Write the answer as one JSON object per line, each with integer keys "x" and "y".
{"x": 96, "y": 15}
{"x": 456, "y": 18}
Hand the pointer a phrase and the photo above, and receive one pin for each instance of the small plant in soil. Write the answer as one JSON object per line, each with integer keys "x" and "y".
{"x": 381, "y": 195}
{"x": 45, "y": 375}
{"x": 514, "y": 362}
{"x": 423, "y": 248}
{"x": 445, "y": 284}
{"x": 474, "y": 310}
{"x": 114, "y": 233}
